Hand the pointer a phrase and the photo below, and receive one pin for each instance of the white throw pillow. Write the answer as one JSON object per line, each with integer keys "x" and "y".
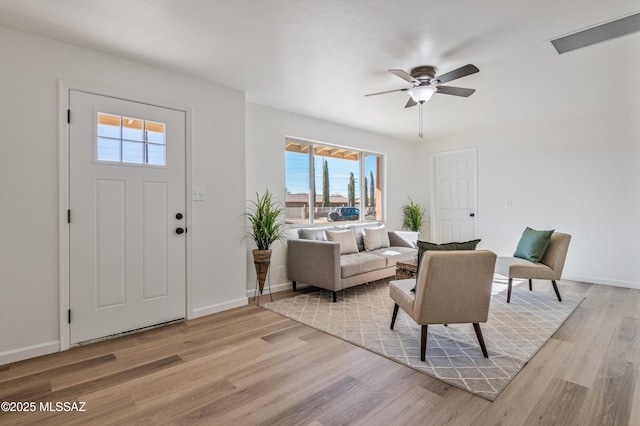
{"x": 346, "y": 238}
{"x": 375, "y": 238}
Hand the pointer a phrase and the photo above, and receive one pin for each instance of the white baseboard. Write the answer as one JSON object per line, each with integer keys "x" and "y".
{"x": 603, "y": 281}
{"x": 275, "y": 288}
{"x": 29, "y": 352}
{"x": 20, "y": 354}
{"x": 213, "y": 309}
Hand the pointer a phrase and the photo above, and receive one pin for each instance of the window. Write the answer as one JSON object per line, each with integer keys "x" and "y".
{"x": 327, "y": 183}
{"x": 130, "y": 140}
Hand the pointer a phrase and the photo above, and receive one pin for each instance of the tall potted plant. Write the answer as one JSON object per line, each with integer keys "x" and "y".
{"x": 412, "y": 216}
{"x": 265, "y": 229}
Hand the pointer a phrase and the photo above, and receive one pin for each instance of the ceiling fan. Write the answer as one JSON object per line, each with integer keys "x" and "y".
{"x": 425, "y": 83}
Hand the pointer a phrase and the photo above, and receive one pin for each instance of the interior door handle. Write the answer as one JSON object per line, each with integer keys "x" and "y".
{"x": 472, "y": 215}
{"x": 179, "y": 231}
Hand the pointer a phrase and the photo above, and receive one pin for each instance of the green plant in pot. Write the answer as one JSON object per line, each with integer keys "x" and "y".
{"x": 412, "y": 216}
{"x": 265, "y": 229}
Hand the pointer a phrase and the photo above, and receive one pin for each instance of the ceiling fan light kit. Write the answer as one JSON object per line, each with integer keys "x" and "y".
{"x": 425, "y": 84}
{"x": 422, "y": 94}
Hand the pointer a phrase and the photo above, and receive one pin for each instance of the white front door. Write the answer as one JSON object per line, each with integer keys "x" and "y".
{"x": 126, "y": 200}
{"x": 454, "y": 196}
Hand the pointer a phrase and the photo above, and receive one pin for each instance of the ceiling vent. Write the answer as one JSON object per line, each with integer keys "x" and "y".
{"x": 597, "y": 34}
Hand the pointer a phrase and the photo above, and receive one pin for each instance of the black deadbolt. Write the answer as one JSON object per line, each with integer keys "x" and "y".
{"x": 179, "y": 231}
{"x": 179, "y": 216}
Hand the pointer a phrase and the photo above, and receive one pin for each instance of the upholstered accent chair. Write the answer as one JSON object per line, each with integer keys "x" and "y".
{"x": 451, "y": 287}
{"x": 549, "y": 268}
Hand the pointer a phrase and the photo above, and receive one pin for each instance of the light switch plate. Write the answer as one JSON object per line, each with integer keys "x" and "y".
{"x": 198, "y": 193}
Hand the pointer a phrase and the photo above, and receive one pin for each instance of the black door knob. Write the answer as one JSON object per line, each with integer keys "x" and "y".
{"x": 179, "y": 216}
{"x": 472, "y": 215}
{"x": 179, "y": 231}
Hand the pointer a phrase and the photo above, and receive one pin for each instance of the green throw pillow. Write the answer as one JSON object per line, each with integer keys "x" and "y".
{"x": 533, "y": 244}
{"x": 427, "y": 246}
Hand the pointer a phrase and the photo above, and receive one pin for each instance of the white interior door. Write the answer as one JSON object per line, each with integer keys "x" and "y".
{"x": 454, "y": 196}
{"x": 127, "y": 201}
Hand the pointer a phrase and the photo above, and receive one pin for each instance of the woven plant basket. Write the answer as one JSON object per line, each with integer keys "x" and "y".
{"x": 261, "y": 260}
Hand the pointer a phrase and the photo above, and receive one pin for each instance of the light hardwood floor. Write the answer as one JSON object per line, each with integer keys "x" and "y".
{"x": 249, "y": 366}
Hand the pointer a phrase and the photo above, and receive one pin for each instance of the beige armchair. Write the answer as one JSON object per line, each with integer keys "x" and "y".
{"x": 549, "y": 268}
{"x": 452, "y": 287}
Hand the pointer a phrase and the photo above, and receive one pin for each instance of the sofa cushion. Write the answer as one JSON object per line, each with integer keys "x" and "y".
{"x": 359, "y": 263}
{"x": 346, "y": 239}
{"x": 533, "y": 244}
{"x": 375, "y": 238}
{"x": 357, "y": 230}
{"x": 311, "y": 234}
{"x": 395, "y": 254}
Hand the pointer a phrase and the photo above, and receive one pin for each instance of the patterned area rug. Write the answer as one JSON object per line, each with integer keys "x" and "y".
{"x": 513, "y": 333}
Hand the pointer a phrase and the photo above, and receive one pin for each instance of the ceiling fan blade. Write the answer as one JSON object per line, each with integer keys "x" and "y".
{"x": 455, "y": 91}
{"x": 410, "y": 103}
{"x": 458, "y": 73}
{"x": 404, "y": 75}
{"x": 388, "y": 91}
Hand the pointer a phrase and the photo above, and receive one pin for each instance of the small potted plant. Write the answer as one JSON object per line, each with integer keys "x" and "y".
{"x": 412, "y": 216}
{"x": 265, "y": 229}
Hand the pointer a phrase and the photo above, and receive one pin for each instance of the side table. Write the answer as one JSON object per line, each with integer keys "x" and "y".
{"x": 405, "y": 270}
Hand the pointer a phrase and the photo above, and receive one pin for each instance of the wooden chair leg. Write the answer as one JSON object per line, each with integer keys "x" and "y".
{"x": 423, "y": 343}
{"x": 509, "y": 290}
{"x": 393, "y": 317}
{"x": 530, "y": 285}
{"x": 555, "y": 287}
{"x": 335, "y": 296}
{"x": 476, "y": 327}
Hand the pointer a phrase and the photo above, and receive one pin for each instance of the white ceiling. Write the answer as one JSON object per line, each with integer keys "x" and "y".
{"x": 319, "y": 58}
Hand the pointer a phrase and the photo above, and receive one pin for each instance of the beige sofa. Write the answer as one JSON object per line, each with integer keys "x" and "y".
{"x": 314, "y": 259}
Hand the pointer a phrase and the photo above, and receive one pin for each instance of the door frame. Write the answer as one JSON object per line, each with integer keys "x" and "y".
{"x": 432, "y": 187}
{"x": 64, "y": 87}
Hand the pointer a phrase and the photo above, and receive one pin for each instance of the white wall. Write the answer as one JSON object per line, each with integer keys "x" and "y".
{"x": 578, "y": 174}
{"x": 265, "y": 135}
{"x": 30, "y": 69}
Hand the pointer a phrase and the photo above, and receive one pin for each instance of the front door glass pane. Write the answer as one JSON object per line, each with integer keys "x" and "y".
{"x": 130, "y": 140}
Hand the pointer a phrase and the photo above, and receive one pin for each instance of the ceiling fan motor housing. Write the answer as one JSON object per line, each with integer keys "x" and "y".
{"x": 425, "y": 72}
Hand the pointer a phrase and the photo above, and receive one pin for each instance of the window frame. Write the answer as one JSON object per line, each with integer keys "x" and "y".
{"x": 362, "y": 154}
{"x": 121, "y": 140}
